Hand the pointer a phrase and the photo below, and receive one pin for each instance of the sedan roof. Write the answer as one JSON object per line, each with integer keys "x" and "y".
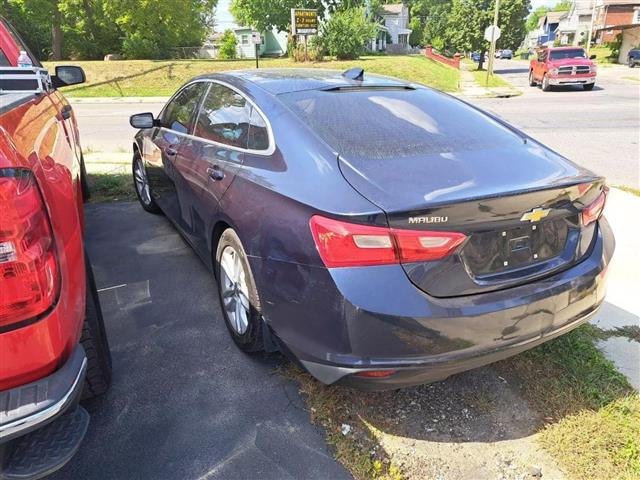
{"x": 286, "y": 80}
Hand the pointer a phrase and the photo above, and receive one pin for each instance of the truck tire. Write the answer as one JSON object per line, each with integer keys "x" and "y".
{"x": 589, "y": 86}
{"x": 532, "y": 80}
{"x": 545, "y": 83}
{"x": 95, "y": 343}
{"x": 84, "y": 182}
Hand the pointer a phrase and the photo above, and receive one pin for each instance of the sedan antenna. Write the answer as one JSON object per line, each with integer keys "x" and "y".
{"x": 355, "y": 73}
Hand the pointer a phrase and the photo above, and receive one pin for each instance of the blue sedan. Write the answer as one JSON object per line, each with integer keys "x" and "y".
{"x": 379, "y": 232}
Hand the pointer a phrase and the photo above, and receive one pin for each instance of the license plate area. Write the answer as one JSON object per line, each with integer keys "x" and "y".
{"x": 515, "y": 247}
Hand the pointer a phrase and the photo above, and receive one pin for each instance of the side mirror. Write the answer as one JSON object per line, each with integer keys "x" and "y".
{"x": 68, "y": 75}
{"x": 143, "y": 120}
{"x": 592, "y": 57}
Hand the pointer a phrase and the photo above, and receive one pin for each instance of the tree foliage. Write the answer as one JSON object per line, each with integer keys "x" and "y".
{"x": 228, "y": 45}
{"x": 266, "y": 14}
{"x": 346, "y": 33}
{"x": 89, "y": 29}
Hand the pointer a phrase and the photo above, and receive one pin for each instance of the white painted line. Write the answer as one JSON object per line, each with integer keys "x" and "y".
{"x": 111, "y": 288}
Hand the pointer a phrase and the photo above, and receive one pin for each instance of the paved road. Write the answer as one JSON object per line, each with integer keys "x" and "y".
{"x": 599, "y": 129}
{"x": 185, "y": 404}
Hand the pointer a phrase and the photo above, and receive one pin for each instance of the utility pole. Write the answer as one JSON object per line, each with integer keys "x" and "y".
{"x": 593, "y": 19}
{"x": 492, "y": 49}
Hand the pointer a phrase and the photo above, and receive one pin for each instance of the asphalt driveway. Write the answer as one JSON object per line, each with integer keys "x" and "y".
{"x": 185, "y": 402}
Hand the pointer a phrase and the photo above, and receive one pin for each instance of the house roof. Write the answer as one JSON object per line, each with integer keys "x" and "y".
{"x": 554, "y": 17}
{"x": 393, "y": 8}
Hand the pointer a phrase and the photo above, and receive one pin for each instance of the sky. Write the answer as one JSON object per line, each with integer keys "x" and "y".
{"x": 224, "y": 19}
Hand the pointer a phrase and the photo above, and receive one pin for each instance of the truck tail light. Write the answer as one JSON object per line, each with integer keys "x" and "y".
{"x": 29, "y": 275}
{"x": 592, "y": 212}
{"x": 343, "y": 244}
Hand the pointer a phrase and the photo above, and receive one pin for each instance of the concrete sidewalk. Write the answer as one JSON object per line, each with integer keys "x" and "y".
{"x": 620, "y": 314}
{"x": 469, "y": 88}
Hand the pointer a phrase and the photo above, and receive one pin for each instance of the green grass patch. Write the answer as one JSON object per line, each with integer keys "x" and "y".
{"x": 480, "y": 76}
{"x": 634, "y": 191}
{"x": 593, "y": 413}
{"x": 144, "y": 78}
{"x": 603, "y": 54}
{"x": 111, "y": 187}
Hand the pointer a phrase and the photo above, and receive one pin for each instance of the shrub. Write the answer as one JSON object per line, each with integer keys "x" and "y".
{"x": 346, "y": 33}
{"x": 228, "y": 47}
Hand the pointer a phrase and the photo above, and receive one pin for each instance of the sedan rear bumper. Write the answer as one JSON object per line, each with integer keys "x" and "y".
{"x": 374, "y": 318}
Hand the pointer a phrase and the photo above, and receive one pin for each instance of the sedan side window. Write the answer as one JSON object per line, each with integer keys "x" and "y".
{"x": 224, "y": 117}
{"x": 178, "y": 115}
{"x": 258, "y": 133}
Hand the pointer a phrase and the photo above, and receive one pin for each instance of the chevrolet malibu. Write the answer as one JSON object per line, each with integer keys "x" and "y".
{"x": 379, "y": 232}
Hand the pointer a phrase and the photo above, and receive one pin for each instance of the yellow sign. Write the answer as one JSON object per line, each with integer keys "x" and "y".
{"x": 304, "y": 21}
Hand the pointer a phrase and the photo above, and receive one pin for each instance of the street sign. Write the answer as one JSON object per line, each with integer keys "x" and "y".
{"x": 256, "y": 38}
{"x": 492, "y": 33}
{"x": 304, "y": 21}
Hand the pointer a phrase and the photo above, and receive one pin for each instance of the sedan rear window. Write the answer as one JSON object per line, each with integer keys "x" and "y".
{"x": 382, "y": 124}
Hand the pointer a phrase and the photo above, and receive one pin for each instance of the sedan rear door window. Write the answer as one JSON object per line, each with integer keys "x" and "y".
{"x": 258, "y": 132}
{"x": 224, "y": 117}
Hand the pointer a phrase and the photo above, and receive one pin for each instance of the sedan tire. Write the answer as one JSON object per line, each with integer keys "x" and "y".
{"x": 141, "y": 185}
{"x": 239, "y": 297}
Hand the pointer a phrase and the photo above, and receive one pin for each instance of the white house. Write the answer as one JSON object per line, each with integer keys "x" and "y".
{"x": 273, "y": 43}
{"x": 574, "y": 24}
{"x": 395, "y": 20}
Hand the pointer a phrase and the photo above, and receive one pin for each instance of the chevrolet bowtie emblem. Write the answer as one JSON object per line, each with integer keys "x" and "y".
{"x": 535, "y": 215}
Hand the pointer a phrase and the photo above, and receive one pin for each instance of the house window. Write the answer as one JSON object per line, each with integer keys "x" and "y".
{"x": 636, "y": 15}
{"x": 244, "y": 39}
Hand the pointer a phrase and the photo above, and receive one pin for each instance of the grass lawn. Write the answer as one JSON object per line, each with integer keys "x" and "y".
{"x": 480, "y": 77}
{"x": 144, "y": 78}
{"x": 111, "y": 187}
{"x": 602, "y": 54}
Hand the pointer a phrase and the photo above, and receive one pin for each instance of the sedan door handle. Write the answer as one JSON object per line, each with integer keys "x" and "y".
{"x": 172, "y": 152}
{"x": 215, "y": 173}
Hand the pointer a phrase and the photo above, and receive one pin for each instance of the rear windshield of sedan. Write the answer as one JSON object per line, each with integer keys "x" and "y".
{"x": 563, "y": 54}
{"x": 393, "y": 123}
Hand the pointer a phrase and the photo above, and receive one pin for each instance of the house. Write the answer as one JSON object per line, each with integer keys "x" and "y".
{"x": 395, "y": 19}
{"x": 574, "y": 25}
{"x": 610, "y": 13}
{"x": 273, "y": 43}
{"x": 549, "y": 25}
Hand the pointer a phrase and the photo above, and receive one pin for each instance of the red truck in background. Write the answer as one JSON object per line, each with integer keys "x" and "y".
{"x": 53, "y": 345}
{"x": 562, "y": 66}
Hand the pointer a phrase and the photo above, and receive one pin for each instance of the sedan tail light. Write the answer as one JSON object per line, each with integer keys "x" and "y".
{"x": 592, "y": 212}
{"x": 343, "y": 244}
{"x": 29, "y": 276}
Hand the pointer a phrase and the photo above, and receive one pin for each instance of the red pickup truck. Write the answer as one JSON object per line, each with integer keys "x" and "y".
{"x": 53, "y": 345}
{"x": 562, "y": 66}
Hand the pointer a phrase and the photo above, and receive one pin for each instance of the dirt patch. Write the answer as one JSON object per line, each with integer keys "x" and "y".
{"x": 470, "y": 426}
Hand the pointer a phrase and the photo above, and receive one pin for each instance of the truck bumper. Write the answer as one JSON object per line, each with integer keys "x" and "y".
{"x": 41, "y": 424}
{"x": 572, "y": 80}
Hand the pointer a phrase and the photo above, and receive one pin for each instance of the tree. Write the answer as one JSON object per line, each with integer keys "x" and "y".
{"x": 469, "y": 19}
{"x": 228, "y": 45}
{"x": 534, "y": 18}
{"x": 346, "y": 33}
{"x": 267, "y": 14}
{"x": 433, "y": 18}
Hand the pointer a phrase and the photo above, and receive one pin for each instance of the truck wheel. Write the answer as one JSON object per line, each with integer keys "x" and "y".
{"x": 95, "y": 343}
{"x": 141, "y": 184}
{"x": 238, "y": 293}
{"x": 84, "y": 182}
{"x": 588, "y": 86}
{"x": 532, "y": 81}
{"x": 545, "y": 84}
